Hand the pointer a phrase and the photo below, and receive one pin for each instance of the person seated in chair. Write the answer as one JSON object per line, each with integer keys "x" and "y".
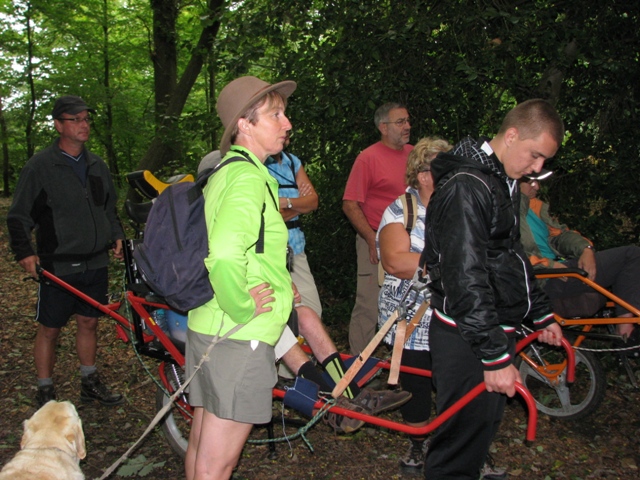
{"x": 550, "y": 244}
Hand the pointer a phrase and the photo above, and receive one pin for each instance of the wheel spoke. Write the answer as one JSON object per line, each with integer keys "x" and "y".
{"x": 564, "y": 395}
{"x": 552, "y": 394}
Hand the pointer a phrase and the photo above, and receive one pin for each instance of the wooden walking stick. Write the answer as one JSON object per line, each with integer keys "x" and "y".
{"x": 396, "y": 355}
{"x": 415, "y": 321}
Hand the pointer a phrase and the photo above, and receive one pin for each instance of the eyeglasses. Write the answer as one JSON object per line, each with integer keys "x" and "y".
{"x": 400, "y": 122}
{"x": 86, "y": 119}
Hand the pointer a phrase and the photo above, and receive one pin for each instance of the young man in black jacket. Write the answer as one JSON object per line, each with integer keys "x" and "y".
{"x": 66, "y": 194}
{"x": 482, "y": 284}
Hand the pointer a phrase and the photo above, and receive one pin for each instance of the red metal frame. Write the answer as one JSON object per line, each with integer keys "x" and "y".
{"x": 462, "y": 402}
{"x": 139, "y": 304}
{"x": 185, "y": 409}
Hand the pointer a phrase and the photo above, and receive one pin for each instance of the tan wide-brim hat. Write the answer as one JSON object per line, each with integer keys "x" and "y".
{"x": 240, "y": 94}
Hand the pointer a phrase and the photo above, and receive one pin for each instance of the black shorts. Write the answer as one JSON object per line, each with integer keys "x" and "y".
{"x": 55, "y": 304}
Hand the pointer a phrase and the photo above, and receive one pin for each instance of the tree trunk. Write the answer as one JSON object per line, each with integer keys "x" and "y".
{"x": 551, "y": 81}
{"x": 161, "y": 150}
{"x": 4, "y": 137}
{"x": 112, "y": 159}
{"x": 211, "y": 96}
{"x": 32, "y": 88}
{"x": 165, "y": 54}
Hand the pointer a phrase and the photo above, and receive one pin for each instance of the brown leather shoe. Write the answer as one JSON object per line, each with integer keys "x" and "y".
{"x": 342, "y": 424}
{"x": 378, "y": 401}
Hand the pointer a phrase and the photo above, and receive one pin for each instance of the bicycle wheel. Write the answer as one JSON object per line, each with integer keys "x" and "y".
{"x": 547, "y": 382}
{"x": 176, "y": 423}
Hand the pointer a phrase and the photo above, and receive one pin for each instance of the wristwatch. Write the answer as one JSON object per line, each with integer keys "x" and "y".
{"x": 590, "y": 247}
{"x": 289, "y": 204}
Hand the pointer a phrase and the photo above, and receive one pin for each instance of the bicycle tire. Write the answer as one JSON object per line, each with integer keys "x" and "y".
{"x": 568, "y": 402}
{"x": 174, "y": 425}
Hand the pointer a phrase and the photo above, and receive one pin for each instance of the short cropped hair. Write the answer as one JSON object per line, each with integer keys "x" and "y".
{"x": 421, "y": 157}
{"x": 382, "y": 113}
{"x": 532, "y": 118}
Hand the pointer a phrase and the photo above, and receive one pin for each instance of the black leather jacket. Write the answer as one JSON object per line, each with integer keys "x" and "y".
{"x": 481, "y": 280}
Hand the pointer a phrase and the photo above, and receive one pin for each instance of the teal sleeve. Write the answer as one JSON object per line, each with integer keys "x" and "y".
{"x": 569, "y": 243}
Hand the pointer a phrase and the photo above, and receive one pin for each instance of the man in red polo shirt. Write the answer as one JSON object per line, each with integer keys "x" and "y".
{"x": 377, "y": 178}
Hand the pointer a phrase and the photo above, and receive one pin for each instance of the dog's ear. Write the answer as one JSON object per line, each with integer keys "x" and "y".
{"x": 76, "y": 438}
{"x": 28, "y": 433}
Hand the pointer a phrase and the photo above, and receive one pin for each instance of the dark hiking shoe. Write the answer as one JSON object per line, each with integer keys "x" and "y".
{"x": 413, "y": 461}
{"x": 491, "y": 472}
{"x": 378, "y": 401}
{"x": 45, "y": 394}
{"x": 93, "y": 389}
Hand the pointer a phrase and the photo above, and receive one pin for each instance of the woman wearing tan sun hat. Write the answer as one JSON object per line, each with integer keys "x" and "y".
{"x": 232, "y": 391}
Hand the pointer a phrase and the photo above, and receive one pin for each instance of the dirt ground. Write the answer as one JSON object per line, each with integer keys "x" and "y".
{"x": 603, "y": 446}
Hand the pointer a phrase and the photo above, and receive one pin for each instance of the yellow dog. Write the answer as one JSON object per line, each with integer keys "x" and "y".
{"x": 51, "y": 448}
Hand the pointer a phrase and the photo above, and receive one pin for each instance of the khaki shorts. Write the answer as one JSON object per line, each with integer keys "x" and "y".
{"x": 237, "y": 381}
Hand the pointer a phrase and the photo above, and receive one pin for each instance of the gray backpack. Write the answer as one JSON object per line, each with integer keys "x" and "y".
{"x": 171, "y": 255}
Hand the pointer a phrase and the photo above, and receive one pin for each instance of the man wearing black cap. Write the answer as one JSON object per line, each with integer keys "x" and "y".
{"x": 66, "y": 194}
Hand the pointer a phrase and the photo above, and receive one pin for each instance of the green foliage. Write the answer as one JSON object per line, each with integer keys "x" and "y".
{"x": 138, "y": 467}
{"x": 593, "y": 189}
{"x": 459, "y": 68}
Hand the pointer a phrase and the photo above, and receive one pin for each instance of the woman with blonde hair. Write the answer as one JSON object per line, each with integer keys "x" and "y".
{"x": 399, "y": 247}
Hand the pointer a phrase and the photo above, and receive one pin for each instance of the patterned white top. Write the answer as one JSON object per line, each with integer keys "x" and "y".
{"x": 394, "y": 288}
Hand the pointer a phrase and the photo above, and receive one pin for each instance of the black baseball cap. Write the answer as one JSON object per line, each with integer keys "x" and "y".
{"x": 70, "y": 104}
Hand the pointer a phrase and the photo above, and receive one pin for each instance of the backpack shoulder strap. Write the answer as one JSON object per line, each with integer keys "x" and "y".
{"x": 260, "y": 242}
{"x": 275, "y": 202}
{"x": 409, "y": 211}
{"x": 203, "y": 177}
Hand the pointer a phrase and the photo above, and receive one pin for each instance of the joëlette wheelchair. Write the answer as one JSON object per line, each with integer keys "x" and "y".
{"x": 136, "y": 323}
{"x": 590, "y": 318}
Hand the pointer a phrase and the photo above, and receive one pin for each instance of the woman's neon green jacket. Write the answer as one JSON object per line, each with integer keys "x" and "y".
{"x": 234, "y": 200}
